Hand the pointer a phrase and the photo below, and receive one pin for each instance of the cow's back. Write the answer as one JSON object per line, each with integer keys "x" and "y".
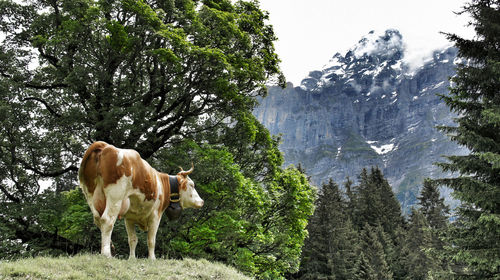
{"x": 104, "y": 165}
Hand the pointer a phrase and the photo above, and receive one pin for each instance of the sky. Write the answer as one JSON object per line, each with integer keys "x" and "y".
{"x": 310, "y": 32}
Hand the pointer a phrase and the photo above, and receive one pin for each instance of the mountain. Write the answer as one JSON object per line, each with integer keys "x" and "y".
{"x": 367, "y": 108}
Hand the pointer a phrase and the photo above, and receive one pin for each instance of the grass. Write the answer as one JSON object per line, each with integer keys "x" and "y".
{"x": 97, "y": 267}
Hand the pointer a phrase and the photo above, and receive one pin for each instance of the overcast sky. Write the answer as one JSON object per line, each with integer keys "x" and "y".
{"x": 310, "y": 32}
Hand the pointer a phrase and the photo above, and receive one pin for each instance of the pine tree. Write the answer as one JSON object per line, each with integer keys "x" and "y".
{"x": 363, "y": 268}
{"x": 435, "y": 211}
{"x": 391, "y": 208}
{"x": 330, "y": 250}
{"x": 376, "y": 203}
{"x": 373, "y": 248}
{"x": 368, "y": 203}
{"x": 351, "y": 198}
{"x": 475, "y": 97}
{"x": 436, "y": 217}
{"x": 419, "y": 239}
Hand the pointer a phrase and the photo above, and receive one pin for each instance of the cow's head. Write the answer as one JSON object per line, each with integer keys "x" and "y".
{"x": 188, "y": 195}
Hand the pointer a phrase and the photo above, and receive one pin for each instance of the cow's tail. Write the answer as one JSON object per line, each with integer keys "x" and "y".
{"x": 91, "y": 155}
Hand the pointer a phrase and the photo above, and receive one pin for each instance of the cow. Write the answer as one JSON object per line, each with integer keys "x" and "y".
{"x": 119, "y": 183}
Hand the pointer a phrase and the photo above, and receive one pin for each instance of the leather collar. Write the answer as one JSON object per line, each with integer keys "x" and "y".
{"x": 174, "y": 189}
{"x": 174, "y": 209}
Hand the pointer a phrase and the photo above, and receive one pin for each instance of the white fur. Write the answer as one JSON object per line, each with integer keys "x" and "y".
{"x": 190, "y": 198}
{"x": 120, "y": 158}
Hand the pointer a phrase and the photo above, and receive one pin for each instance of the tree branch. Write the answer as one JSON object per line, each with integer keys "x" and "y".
{"x": 48, "y": 173}
{"x": 52, "y": 59}
{"x": 9, "y": 195}
{"x": 53, "y": 86}
{"x": 47, "y": 106}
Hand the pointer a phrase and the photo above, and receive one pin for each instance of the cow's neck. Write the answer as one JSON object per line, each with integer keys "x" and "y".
{"x": 173, "y": 209}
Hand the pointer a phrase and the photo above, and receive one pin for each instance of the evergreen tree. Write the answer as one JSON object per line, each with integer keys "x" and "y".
{"x": 432, "y": 206}
{"x": 351, "y": 197}
{"x": 330, "y": 250}
{"x": 436, "y": 215}
{"x": 376, "y": 203}
{"x": 368, "y": 206}
{"x": 392, "y": 218}
{"x": 363, "y": 269}
{"x": 475, "y": 97}
{"x": 373, "y": 248}
{"x": 418, "y": 240}
{"x": 435, "y": 212}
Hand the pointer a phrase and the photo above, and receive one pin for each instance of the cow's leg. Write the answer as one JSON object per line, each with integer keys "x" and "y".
{"x": 132, "y": 237}
{"x": 90, "y": 201}
{"x": 153, "y": 224}
{"x": 107, "y": 222}
{"x": 114, "y": 193}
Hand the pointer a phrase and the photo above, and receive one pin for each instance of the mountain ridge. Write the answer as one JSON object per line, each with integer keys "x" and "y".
{"x": 367, "y": 108}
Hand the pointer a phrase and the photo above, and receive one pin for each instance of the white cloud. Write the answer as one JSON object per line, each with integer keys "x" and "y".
{"x": 310, "y": 32}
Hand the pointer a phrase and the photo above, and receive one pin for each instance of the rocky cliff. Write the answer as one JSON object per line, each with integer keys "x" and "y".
{"x": 367, "y": 108}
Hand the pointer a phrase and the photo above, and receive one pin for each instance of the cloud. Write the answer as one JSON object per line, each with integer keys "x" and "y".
{"x": 415, "y": 57}
{"x": 384, "y": 43}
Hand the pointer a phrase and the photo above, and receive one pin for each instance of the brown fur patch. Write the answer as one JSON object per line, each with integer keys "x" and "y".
{"x": 143, "y": 176}
{"x": 165, "y": 196}
{"x": 182, "y": 182}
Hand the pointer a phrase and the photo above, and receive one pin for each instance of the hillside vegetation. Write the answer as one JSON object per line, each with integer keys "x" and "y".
{"x": 97, "y": 267}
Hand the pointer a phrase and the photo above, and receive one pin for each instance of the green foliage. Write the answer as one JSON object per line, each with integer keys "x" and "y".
{"x": 259, "y": 227}
{"x": 376, "y": 203}
{"x": 331, "y": 246}
{"x": 372, "y": 245}
{"x": 359, "y": 233}
{"x": 77, "y": 221}
{"x": 136, "y": 74}
{"x": 474, "y": 97}
{"x": 419, "y": 238}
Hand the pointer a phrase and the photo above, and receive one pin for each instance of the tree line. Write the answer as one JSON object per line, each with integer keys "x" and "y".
{"x": 358, "y": 232}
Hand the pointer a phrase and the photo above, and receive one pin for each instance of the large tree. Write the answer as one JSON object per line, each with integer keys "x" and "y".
{"x": 140, "y": 74}
{"x": 137, "y": 74}
{"x": 475, "y": 97}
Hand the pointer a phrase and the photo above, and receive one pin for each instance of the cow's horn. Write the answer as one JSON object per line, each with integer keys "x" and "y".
{"x": 185, "y": 173}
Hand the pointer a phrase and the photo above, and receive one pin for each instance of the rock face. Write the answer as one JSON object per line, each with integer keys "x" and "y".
{"x": 367, "y": 108}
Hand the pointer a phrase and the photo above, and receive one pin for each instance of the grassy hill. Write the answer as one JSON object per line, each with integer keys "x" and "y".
{"x": 97, "y": 267}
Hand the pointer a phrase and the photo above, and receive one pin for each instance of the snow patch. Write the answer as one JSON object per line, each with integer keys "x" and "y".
{"x": 383, "y": 149}
{"x": 397, "y": 66}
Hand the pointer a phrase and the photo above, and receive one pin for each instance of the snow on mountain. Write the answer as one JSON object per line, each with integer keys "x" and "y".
{"x": 366, "y": 108}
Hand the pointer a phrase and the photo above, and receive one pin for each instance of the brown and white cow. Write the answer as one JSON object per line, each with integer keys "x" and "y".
{"x": 119, "y": 183}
